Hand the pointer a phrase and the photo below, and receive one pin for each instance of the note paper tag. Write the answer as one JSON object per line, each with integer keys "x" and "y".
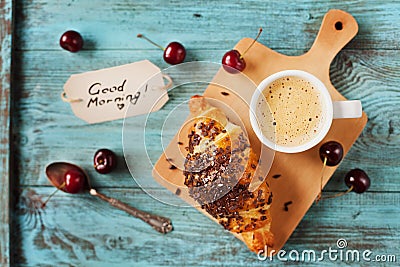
{"x": 113, "y": 93}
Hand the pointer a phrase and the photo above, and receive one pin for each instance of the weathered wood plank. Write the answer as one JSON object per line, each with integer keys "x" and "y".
{"x": 48, "y": 132}
{"x": 82, "y": 231}
{"x": 5, "y": 78}
{"x": 292, "y": 25}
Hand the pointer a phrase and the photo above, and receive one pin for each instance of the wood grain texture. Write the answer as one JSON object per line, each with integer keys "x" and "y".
{"x": 364, "y": 74}
{"x": 292, "y": 25}
{"x": 82, "y": 231}
{"x": 5, "y": 102}
{"x": 296, "y": 185}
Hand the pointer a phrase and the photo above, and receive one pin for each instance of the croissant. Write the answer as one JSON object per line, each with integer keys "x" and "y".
{"x": 219, "y": 168}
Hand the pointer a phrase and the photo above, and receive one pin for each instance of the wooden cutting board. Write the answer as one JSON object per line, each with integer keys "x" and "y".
{"x": 292, "y": 177}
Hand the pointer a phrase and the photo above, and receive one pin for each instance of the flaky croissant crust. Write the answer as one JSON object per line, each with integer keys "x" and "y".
{"x": 219, "y": 167}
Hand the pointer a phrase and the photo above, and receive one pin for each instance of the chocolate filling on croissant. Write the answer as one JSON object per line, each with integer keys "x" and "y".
{"x": 219, "y": 168}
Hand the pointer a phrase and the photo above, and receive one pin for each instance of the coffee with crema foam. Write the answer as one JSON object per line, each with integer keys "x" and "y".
{"x": 294, "y": 114}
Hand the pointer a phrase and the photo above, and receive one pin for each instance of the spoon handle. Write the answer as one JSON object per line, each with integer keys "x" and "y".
{"x": 159, "y": 223}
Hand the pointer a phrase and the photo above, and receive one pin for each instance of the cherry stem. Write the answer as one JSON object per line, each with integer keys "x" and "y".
{"x": 258, "y": 35}
{"x": 339, "y": 194}
{"x": 52, "y": 194}
{"x": 319, "y": 197}
{"x": 150, "y": 41}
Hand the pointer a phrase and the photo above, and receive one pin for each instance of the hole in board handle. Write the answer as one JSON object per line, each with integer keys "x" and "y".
{"x": 339, "y": 26}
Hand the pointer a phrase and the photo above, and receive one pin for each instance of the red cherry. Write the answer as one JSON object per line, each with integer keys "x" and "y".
{"x": 332, "y": 151}
{"x": 174, "y": 53}
{"x": 358, "y": 179}
{"x": 74, "y": 181}
{"x": 233, "y": 62}
{"x": 71, "y": 41}
{"x": 104, "y": 161}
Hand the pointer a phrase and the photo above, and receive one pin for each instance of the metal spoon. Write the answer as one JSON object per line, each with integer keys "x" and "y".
{"x": 55, "y": 173}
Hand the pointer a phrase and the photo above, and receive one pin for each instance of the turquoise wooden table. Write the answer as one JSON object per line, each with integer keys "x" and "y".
{"x": 37, "y": 128}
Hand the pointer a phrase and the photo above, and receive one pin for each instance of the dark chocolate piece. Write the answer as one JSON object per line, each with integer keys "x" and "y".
{"x": 177, "y": 192}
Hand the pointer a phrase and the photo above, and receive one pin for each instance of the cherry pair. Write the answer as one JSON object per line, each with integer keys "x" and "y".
{"x": 232, "y": 61}
{"x": 174, "y": 52}
{"x": 75, "y": 180}
{"x": 331, "y": 153}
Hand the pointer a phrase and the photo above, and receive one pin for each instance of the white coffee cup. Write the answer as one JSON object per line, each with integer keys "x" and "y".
{"x": 330, "y": 110}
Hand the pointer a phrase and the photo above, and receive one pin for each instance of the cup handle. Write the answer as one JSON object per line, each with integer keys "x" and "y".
{"x": 347, "y": 109}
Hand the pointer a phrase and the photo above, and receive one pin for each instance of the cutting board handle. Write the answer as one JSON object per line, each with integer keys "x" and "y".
{"x": 337, "y": 29}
